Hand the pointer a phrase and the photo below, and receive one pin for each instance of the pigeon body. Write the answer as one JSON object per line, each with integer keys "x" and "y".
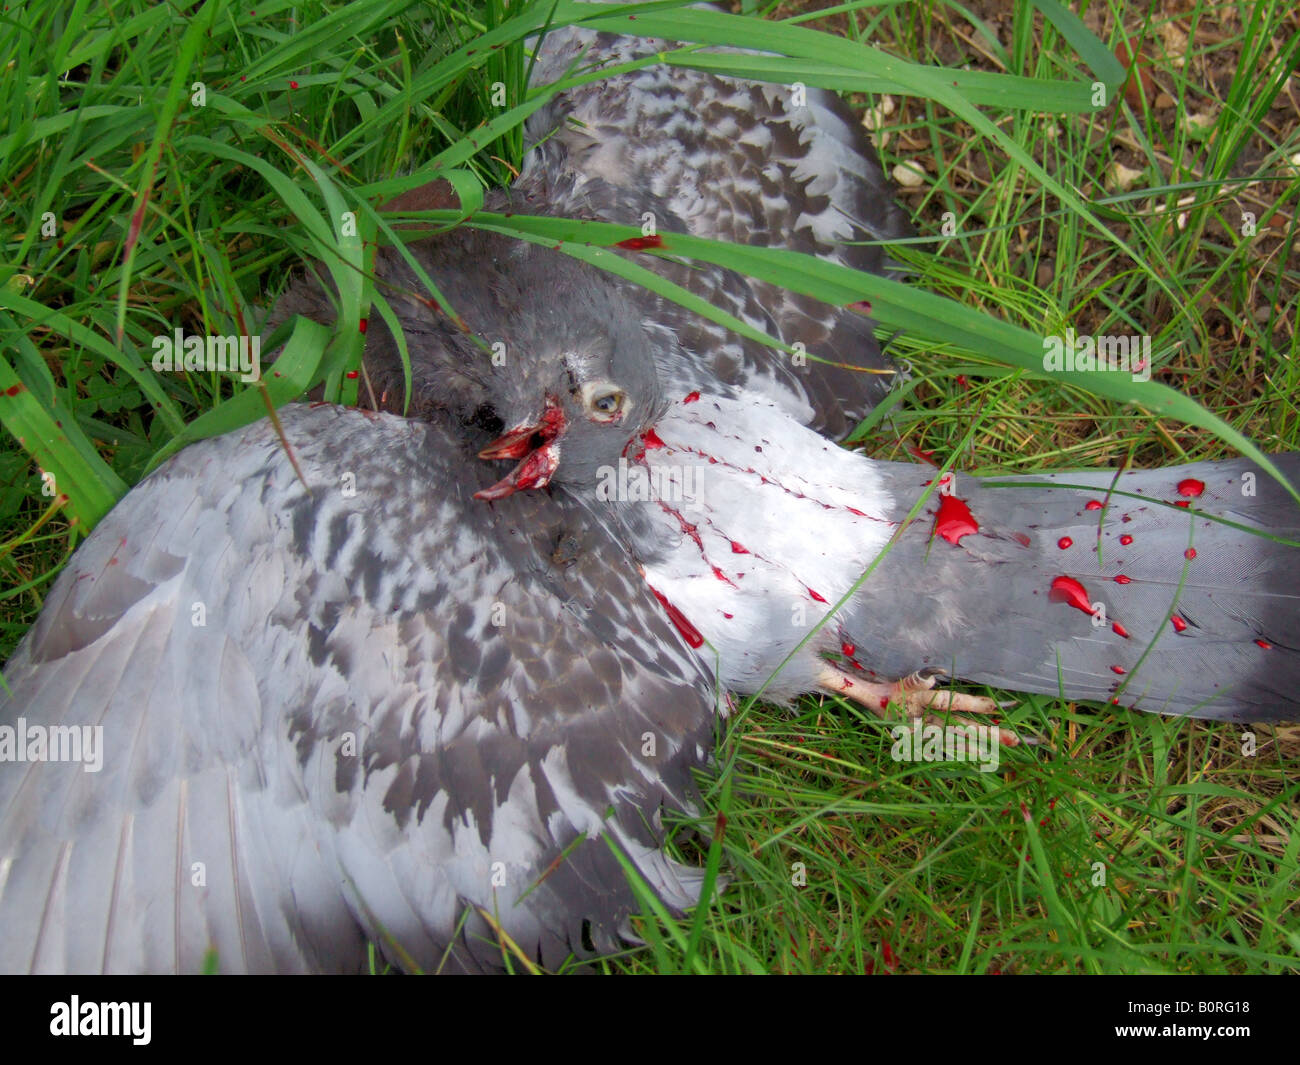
{"x": 1166, "y": 590}
{"x": 363, "y": 707}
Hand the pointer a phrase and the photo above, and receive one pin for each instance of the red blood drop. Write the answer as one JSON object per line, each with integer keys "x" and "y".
{"x": 1126, "y": 539}
{"x": 1189, "y": 554}
{"x": 1182, "y": 503}
{"x": 293, "y": 84}
{"x": 651, "y": 439}
{"x": 728, "y": 616}
{"x": 641, "y": 243}
{"x": 1264, "y": 644}
{"x": 738, "y": 549}
{"x": 363, "y": 325}
{"x": 352, "y": 375}
{"x": 1064, "y": 542}
{"x": 854, "y": 510}
{"x": 1191, "y": 487}
{"x": 861, "y": 306}
{"x": 954, "y": 520}
{"x": 1118, "y": 670}
{"x": 1179, "y": 624}
{"x": 1068, "y": 590}
{"x": 816, "y": 596}
{"x": 1093, "y": 504}
{"x": 691, "y": 397}
{"x": 1121, "y": 579}
{"x": 13, "y": 390}
{"x": 847, "y": 649}
{"x": 689, "y": 631}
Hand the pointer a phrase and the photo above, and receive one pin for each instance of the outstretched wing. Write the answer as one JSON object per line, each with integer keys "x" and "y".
{"x": 731, "y": 160}
{"x": 363, "y": 707}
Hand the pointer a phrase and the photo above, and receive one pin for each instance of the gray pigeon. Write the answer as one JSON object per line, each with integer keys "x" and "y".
{"x": 356, "y": 705}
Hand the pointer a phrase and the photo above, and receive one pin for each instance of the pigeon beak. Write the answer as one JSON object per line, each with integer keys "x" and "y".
{"x": 536, "y": 445}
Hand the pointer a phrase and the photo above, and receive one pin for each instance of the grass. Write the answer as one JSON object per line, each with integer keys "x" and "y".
{"x": 1144, "y": 844}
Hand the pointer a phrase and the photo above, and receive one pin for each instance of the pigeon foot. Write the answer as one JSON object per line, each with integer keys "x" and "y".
{"x": 916, "y": 694}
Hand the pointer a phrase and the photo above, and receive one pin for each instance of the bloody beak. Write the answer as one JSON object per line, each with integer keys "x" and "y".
{"x": 537, "y": 447}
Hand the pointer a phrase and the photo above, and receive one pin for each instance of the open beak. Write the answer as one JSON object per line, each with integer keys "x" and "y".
{"x": 537, "y": 447}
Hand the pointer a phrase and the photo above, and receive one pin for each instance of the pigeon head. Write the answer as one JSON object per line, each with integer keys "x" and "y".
{"x": 576, "y": 380}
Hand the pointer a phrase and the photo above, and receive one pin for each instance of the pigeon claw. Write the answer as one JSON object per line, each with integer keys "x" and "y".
{"x": 917, "y": 695}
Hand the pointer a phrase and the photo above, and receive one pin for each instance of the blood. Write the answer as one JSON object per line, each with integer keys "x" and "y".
{"x": 1021, "y": 538}
{"x": 1064, "y": 542}
{"x": 1119, "y": 671}
{"x": 13, "y": 390}
{"x": 1179, "y": 624}
{"x": 722, "y": 576}
{"x": 688, "y": 631}
{"x": 848, "y": 650}
{"x": 1189, "y": 554}
{"x": 738, "y": 549}
{"x": 1068, "y": 590}
{"x": 1121, "y": 579}
{"x": 352, "y": 375}
{"x": 861, "y": 306}
{"x": 692, "y": 397}
{"x": 954, "y": 520}
{"x": 1191, "y": 487}
{"x": 1264, "y": 644}
{"x": 1093, "y": 504}
{"x": 1182, "y": 503}
{"x": 363, "y": 325}
{"x": 651, "y": 440}
{"x": 1126, "y": 539}
{"x": 923, "y": 456}
{"x": 1120, "y": 630}
{"x": 641, "y": 243}
{"x": 816, "y": 596}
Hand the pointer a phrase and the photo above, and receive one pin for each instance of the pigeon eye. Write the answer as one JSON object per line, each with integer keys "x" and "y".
{"x": 606, "y": 404}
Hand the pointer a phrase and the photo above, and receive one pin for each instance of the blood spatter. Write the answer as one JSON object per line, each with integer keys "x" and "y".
{"x": 363, "y": 325}
{"x": 861, "y": 306}
{"x": 689, "y": 632}
{"x": 1069, "y": 591}
{"x": 1264, "y": 644}
{"x": 1119, "y": 671}
{"x": 728, "y": 616}
{"x": 1021, "y": 538}
{"x": 1178, "y": 623}
{"x": 738, "y": 549}
{"x": 814, "y": 594}
{"x": 1119, "y": 578}
{"x": 1126, "y": 518}
{"x": 848, "y": 649}
{"x": 641, "y": 243}
{"x": 692, "y": 397}
{"x": 1126, "y": 539}
{"x": 1120, "y": 630}
{"x": 954, "y": 520}
{"x": 1189, "y": 554}
{"x": 1064, "y": 542}
{"x": 1093, "y": 504}
{"x": 1190, "y": 486}
{"x": 352, "y": 375}
{"x": 13, "y": 390}
{"x": 651, "y": 440}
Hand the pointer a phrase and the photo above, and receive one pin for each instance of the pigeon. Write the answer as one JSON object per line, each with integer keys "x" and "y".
{"x": 320, "y": 697}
